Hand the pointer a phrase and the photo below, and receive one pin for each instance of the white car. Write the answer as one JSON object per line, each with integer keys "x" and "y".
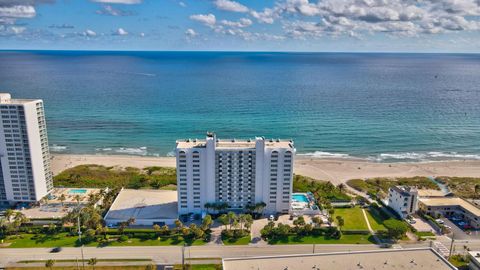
{"x": 271, "y": 218}
{"x": 439, "y": 221}
{"x": 412, "y": 221}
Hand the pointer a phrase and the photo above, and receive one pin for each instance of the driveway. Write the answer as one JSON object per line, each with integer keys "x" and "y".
{"x": 422, "y": 226}
{"x": 257, "y": 226}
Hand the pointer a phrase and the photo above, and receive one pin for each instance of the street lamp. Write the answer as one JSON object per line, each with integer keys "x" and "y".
{"x": 80, "y": 239}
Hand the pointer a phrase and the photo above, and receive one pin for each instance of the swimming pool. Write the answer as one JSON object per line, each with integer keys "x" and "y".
{"x": 299, "y": 198}
{"x": 77, "y": 191}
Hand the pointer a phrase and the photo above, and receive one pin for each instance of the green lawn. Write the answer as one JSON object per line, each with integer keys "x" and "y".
{"x": 236, "y": 241}
{"x": 354, "y": 219}
{"x": 345, "y": 239}
{"x": 375, "y": 219}
{"x": 63, "y": 240}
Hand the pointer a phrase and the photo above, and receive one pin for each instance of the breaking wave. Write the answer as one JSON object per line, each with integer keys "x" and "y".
{"x": 428, "y": 156}
{"x": 58, "y": 148}
{"x": 398, "y": 157}
{"x": 134, "y": 151}
{"x": 321, "y": 154}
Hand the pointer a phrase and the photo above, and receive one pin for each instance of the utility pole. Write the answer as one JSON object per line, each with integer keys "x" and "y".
{"x": 80, "y": 239}
{"x": 451, "y": 245}
{"x": 313, "y": 251}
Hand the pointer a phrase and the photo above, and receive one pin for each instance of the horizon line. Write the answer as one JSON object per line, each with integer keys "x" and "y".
{"x": 232, "y": 51}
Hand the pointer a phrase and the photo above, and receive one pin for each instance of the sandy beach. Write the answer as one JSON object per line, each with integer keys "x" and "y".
{"x": 334, "y": 170}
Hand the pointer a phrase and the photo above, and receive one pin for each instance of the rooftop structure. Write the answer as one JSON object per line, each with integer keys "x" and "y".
{"x": 235, "y": 172}
{"x": 417, "y": 258}
{"x": 431, "y": 193}
{"x": 25, "y": 174}
{"x": 147, "y": 207}
{"x": 451, "y": 202}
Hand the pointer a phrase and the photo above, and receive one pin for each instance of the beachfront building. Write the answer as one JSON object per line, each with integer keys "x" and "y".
{"x": 234, "y": 172}
{"x": 25, "y": 174}
{"x": 451, "y": 207}
{"x": 403, "y": 199}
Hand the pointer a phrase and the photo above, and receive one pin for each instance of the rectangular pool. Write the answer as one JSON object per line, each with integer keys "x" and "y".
{"x": 77, "y": 191}
{"x": 299, "y": 198}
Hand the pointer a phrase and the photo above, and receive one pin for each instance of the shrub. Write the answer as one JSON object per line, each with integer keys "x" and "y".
{"x": 396, "y": 229}
{"x": 123, "y": 238}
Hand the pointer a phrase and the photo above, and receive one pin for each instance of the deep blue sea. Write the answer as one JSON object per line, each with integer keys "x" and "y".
{"x": 384, "y": 107}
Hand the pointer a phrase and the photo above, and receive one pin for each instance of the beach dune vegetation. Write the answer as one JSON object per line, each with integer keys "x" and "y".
{"x": 98, "y": 176}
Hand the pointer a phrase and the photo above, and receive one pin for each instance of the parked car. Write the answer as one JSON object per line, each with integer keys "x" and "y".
{"x": 412, "y": 221}
{"x": 439, "y": 221}
{"x": 55, "y": 250}
{"x": 271, "y": 218}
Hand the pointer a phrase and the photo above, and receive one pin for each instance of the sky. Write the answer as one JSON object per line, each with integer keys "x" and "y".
{"x": 242, "y": 25}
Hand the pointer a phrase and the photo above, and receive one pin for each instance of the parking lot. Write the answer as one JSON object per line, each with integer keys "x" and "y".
{"x": 460, "y": 234}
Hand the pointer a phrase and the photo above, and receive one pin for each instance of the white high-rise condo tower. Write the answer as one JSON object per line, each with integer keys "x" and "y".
{"x": 235, "y": 172}
{"x": 25, "y": 174}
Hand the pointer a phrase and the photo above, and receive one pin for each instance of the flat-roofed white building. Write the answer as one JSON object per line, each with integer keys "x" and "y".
{"x": 25, "y": 174}
{"x": 236, "y": 172}
{"x": 451, "y": 207}
{"x": 403, "y": 199}
{"x": 386, "y": 259}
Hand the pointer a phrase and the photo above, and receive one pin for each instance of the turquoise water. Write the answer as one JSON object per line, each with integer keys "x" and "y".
{"x": 300, "y": 198}
{"x": 77, "y": 191}
{"x": 383, "y": 107}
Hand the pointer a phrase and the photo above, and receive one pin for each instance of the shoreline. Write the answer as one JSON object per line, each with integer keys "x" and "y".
{"x": 336, "y": 170}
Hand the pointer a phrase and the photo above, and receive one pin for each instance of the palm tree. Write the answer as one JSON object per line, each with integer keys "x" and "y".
{"x": 49, "y": 263}
{"x": 208, "y": 206}
{"x": 231, "y": 218}
{"x": 223, "y": 219}
{"x": 340, "y": 221}
{"x": 9, "y": 214}
{"x": 78, "y": 199}
{"x": 92, "y": 262}
{"x": 477, "y": 190}
{"x": 341, "y": 187}
{"x": 178, "y": 225}
{"x": 18, "y": 220}
{"x": 259, "y": 207}
{"x": 62, "y": 198}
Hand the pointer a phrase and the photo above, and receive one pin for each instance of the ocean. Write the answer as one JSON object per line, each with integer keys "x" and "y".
{"x": 382, "y": 107}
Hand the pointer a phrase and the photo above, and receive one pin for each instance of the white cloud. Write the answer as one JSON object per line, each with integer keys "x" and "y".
{"x": 109, "y": 10}
{"x": 121, "y": 32}
{"x": 89, "y": 33}
{"x": 182, "y": 4}
{"x": 208, "y": 19}
{"x": 142, "y": 34}
{"x": 308, "y": 18}
{"x": 19, "y": 11}
{"x": 229, "y": 5}
{"x": 268, "y": 15}
{"x": 190, "y": 33}
{"x": 126, "y": 2}
{"x": 243, "y": 22}
{"x": 18, "y": 29}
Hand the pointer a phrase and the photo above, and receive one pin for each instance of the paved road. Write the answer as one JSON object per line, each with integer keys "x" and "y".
{"x": 169, "y": 254}
{"x": 173, "y": 254}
